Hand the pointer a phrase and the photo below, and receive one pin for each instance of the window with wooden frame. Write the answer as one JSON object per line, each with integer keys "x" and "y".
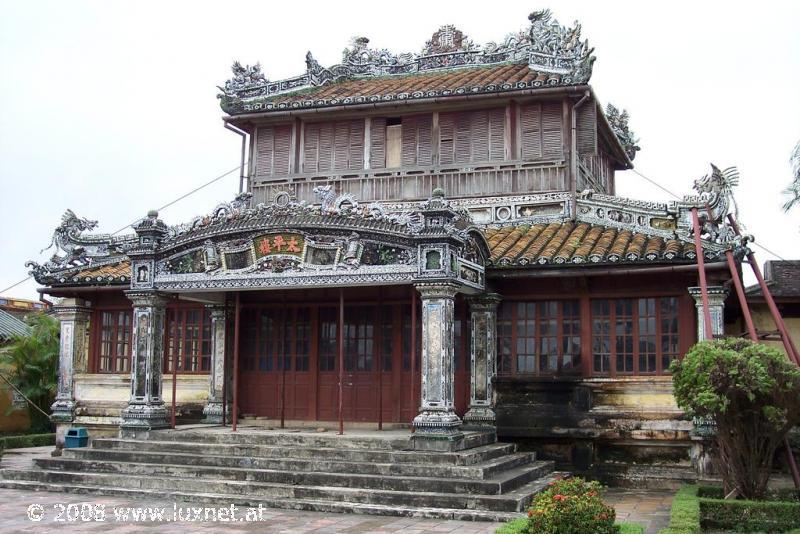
{"x": 472, "y": 136}
{"x": 113, "y": 342}
{"x": 333, "y": 146}
{"x": 273, "y": 150}
{"x": 539, "y": 337}
{"x": 188, "y": 340}
{"x": 634, "y": 336}
{"x": 542, "y": 131}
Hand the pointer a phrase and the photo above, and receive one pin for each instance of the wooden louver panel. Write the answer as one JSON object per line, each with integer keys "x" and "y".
{"x": 587, "y": 128}
{"x": 472, "y": 137}
{"x": 416, "y": 140}
{"x": 336, "y": 146}
{"x": 377, "y": 144}
{"x": 542, "y": 131}
{"x": 273, "y": 150}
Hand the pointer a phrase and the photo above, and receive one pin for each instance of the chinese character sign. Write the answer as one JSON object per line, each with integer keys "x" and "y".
{"x": 272, "y": 244}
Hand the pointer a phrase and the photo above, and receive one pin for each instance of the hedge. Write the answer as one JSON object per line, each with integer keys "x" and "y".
{"x": 684, "y": 517}
{"x": 29, "y": 440}
{"x": 749, "y": 516}
{"x": 695, "y": 509}
{"x": 518, "y": 525}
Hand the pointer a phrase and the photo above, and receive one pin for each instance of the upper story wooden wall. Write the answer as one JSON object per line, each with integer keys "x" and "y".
{"x": 503, "y": 148}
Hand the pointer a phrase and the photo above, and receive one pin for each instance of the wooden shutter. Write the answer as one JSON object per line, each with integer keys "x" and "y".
{"x": 552, "y": 131}
{"x": 273, "y": 150}
{"x": 587, "y": 128}
{"x": 463, "y": 141}
{"x": 355, "y": 160}
{"x": 479, "y": 133}
{"x": 531, "y": 127}
{"x": 265, "y": 145}
{"x": 447, "y": 132}
{"x": 542, "y": 131}
{"x": 377, "y": 144}
{"x": 497, "y": 130}
{"x": 326, "y": 148}
{"x": 416, "y": 140}
{"x": 311, "y": 148}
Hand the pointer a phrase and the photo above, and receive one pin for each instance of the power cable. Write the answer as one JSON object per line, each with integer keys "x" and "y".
{"x": 756, "y": 243}
{"x": 165, "y": 206}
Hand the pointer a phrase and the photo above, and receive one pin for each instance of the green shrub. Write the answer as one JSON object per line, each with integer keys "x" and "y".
{"x": 571, "y": 506}
{"x": 749, "y": 516}
{"x": 29, "y": 440}
{"x": 684, "y": 516}
{"x": 750, "y": 391}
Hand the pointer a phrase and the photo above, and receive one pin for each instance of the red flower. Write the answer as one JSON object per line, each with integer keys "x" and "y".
{"x": 559, "y": 497}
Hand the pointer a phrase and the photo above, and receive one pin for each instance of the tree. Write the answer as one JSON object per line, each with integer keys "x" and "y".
{"x": 33, "y": 363}
{"x": 751, "y": 392}
{"x": 793, "y": 191}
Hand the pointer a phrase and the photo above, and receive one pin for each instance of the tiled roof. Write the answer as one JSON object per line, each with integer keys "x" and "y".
{"x": 452, "y": 82}
{"x": 782, "y": 277}
{"x": 580, "y": 243}
{"x": 10, "y": 325}
{"x": 111, "y": 273}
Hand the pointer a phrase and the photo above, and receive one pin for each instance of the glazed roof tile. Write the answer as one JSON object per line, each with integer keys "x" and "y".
{"x": 454, "y": 82}
{"x": 11, "y": 326}
{"x": 578, "y": 243}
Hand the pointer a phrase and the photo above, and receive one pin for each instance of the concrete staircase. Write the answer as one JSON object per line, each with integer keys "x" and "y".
{"x": 487, "y": 481}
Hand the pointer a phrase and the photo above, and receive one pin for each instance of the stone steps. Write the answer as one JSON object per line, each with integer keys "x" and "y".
{"x": 466, "y": 457}
{"x": 512, "y": 501}
{"x": 213, "y": 499}
{"x": 482, "y": 471}
{"x": 302, "y": 471}
{"x": 505, "y": 481}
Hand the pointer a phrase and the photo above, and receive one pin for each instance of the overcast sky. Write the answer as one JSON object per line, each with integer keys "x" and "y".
{"x": 109, "y": 108}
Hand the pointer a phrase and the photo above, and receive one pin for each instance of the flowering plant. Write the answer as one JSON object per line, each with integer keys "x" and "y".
{"x": 571, "y": 506}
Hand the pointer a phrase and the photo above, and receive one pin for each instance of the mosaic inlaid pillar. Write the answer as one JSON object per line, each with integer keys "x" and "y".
{"x": 73, "y": 314}
{"x": 483, "y": 359}
{"x": 213, "y": 408}
{"x": 146, "y": 410}
{"x": 716, "y": 304}
{"x": 437, "y": 418}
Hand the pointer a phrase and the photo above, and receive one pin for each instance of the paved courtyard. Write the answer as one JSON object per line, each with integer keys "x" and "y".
{"x": 20, "y": 509}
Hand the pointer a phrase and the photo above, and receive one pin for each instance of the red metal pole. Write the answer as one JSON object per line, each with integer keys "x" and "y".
{"x": 225, "y": 367}
{"x": 413, "y": 356}
{"x": 282, "y": 356}
{"x": 787, "y": 341}
{"x": 788, "y": 344}
{"x": 379, "y": 331}
{"x": 174, "y": 382}
{"x": 341, "y": 358}
{"x": 737, "y": 283}
{"x": 236, "y": 362}
{"x": 701, "y": 271}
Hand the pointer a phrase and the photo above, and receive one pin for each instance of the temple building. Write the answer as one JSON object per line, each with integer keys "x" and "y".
{"x": 427, "y": 241}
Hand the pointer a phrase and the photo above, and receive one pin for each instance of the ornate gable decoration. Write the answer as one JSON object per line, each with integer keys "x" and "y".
{"x": 545, "y": 45}
{"x": 619, "y": 124}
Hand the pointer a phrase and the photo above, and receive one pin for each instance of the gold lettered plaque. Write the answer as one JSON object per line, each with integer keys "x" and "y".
{"x": 279, "y": 244}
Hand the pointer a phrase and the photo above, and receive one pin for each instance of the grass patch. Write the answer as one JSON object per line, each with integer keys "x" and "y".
{"x": 517, "y": 526}
{"x": 27, "y": 440}
{"x": 684, "y": 517}
{"x": 697, "y": 509}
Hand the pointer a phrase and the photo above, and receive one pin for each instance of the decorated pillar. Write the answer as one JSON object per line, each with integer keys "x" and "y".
{"x": 716, "y": 304}
{"x": 483, "y": 359}
{"x": 213, "y": 408}
{"x": 146, "y": 410}
{"x": 73, "y": 314}
{"x": 437, "y": 425}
